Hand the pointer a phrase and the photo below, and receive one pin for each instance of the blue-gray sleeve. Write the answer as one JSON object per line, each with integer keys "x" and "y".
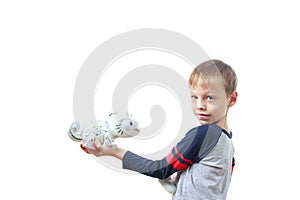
{"x": 191, "y": 149}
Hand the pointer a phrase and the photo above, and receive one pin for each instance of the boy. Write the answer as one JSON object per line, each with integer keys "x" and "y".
{"x": 204, "y": 157}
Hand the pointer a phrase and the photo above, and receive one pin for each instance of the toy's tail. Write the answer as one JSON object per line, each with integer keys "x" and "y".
{"x": 168, "y": 184}
{"x": 74, "y": 133}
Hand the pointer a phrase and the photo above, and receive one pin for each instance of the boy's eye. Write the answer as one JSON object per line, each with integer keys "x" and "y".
{"x": 209, "y": 98}
{"x": 194, "y": 97}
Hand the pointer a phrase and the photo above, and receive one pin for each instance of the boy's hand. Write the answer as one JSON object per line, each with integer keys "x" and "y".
{"x": 103, "y": 150}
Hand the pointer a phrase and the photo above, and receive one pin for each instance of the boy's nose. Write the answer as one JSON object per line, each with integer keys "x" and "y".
{"x": 200, "y": 105}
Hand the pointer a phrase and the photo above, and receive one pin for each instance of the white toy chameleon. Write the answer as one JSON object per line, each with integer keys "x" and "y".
{"x": 104, "y": 131}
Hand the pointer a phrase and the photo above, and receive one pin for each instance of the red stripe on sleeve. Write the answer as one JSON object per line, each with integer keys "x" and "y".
{"x": 176, "y": 164}
{"x": 183, "y": 158}
{"x": 170, "y": 158}
{"x": 233, "y": 164}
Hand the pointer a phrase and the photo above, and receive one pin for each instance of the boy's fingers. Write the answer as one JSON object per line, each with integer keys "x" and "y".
{"x": 97, "y": 144}
{"x": 84, "y": 149}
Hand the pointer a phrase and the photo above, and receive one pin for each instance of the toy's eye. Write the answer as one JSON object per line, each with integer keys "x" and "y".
{"x": 130, "y": 123}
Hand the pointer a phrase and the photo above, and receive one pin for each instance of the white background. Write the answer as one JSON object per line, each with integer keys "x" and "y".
{"x": 42, "y": 48}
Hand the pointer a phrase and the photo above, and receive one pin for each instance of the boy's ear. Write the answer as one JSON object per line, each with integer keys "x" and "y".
{"x": 233, "y": 98}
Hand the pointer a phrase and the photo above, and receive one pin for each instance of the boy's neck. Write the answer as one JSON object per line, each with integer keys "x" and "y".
{"x": 223, "y": 125}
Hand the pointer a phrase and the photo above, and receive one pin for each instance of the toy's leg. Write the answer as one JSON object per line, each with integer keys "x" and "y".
{"x": 89, "y": 141}
{"x": 108, "y": 141}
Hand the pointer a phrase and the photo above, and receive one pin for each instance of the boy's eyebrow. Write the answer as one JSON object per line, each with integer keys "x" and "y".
{"x": 202, "y": 92}
{"x": 211, "y": 92}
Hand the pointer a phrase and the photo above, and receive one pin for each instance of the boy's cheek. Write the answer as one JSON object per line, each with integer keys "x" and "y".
{"x": 194, "y": 104}
{"x": 194, "y": 108}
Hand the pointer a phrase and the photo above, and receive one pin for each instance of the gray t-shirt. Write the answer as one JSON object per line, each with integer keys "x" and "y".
{"x": 203, "y": 158}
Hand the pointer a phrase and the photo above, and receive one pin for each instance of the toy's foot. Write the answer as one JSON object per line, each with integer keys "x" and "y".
{"x": 170, "y": 187}
{"x": 108, "y": 141}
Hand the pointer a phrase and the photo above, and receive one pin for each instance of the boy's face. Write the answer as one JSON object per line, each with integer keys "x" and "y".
{"x": 210, "y": 103}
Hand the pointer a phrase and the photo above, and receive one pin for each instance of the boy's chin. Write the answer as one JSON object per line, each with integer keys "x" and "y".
{"x": 201, "y": 122}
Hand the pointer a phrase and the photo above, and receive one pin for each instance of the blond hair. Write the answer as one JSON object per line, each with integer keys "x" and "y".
{"x": 213, "y": 69}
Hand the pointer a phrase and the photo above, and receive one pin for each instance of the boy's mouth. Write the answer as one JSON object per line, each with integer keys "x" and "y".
{"x": 203, "y": 115}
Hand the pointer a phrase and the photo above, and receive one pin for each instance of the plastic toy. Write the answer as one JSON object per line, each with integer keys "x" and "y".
{"x": 104, "y": 131}
{"x": 169, "y": 184}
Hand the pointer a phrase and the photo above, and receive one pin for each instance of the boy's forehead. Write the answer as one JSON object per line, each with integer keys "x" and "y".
{"x": 211, "y": 84}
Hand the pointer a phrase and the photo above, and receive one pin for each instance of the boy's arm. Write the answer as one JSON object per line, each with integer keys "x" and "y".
{"x": 191, "y": 149}
{"x": 183, "y": 155}
{"x": 159, "y": 168}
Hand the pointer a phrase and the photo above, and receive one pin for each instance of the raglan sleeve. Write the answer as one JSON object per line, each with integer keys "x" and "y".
{"x": 183, "y": 155}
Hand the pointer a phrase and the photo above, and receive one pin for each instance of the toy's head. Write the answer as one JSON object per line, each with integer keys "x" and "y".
{"x": 125, "y": 126}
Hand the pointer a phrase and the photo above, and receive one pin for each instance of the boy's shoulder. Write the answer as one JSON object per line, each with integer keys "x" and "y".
{"x": 211, "y": 129}
{"x": 207, "y": 134}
